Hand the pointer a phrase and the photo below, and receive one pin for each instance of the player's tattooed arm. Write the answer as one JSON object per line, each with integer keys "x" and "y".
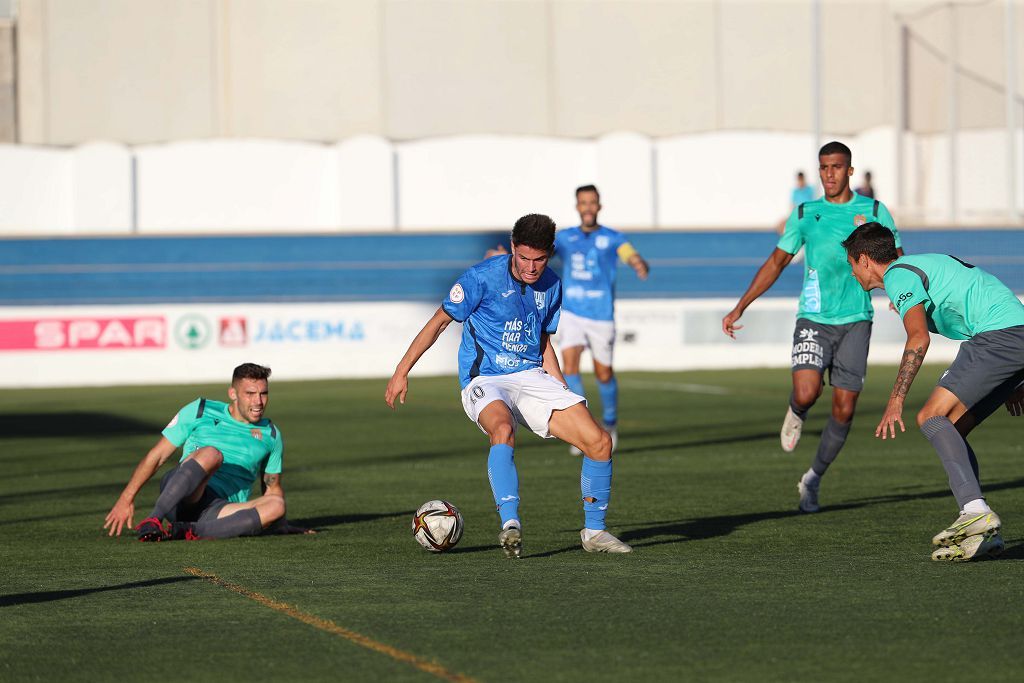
{"x": 914, "y": 352}
{"x": 271, "y": 482}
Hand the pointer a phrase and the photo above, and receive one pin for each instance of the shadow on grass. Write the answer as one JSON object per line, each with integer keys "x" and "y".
{"x": 681, "y": 530}
{"x": 702, "y": 443}
{"x": 52, "y": 596}
{"x": 72, "y": 424}
{"x": 324, "y": 522}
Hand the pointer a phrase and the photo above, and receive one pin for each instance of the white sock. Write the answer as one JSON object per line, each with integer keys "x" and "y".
{"x": 811, "y": 477}
{"x": 511, "y": 522}
{"x": 978, "y": 506}
{"x": 590, "y": 533}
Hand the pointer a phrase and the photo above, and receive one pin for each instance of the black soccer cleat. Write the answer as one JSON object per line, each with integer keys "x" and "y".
{"x": 150, "y": 530}
{"x": 184, "y": 531}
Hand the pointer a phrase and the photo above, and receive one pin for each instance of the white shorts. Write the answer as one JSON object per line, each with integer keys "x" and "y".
{"x": 532, "y": 395}
{"x": 597, "y": 335}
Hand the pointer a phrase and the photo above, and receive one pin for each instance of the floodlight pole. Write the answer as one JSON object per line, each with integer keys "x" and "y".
{"x": 952, "y": 119}
{"x": 816, "y": 74}
{"x": 1010, "y": 39}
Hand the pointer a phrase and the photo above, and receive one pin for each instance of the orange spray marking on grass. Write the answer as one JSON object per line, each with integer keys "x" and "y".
{"x": 330, "y": 627}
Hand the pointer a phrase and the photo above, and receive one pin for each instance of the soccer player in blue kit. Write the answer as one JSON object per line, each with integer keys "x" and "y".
{"x": 509, "y": 306}
{"x": 590, "y": 253}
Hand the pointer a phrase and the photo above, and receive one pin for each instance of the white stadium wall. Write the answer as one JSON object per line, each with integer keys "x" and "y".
{"x": 709, "y": 180}
{"x": 186, "y": 344}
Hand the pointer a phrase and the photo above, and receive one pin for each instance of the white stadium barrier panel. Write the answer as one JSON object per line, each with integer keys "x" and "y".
{"x": 366, "y": 183}
{"x": 101, "y": 177}
{"x": 37, "y": 197}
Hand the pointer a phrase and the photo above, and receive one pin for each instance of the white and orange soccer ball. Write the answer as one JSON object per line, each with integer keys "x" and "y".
{"x": 437, "y": 525}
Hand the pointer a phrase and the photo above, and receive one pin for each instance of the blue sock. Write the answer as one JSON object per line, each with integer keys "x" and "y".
{"x": 610, "y": 400}
{"x": 501, "y": 472}
{"x": 596, "y": 487}
{"x": 575, "y": 384}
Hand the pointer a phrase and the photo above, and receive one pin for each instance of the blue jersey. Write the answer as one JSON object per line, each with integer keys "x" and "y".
{"x": 502, "y": 319}
{"x": 589, "y": 262}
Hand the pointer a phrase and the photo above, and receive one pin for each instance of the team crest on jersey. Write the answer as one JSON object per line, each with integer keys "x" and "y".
{"x": 601, "y": 242}
{"x": 539, "y": 298}
{"x": 257, "y": 434}
{"x": 860, "y": 219}
{"x": 456, "y": 294}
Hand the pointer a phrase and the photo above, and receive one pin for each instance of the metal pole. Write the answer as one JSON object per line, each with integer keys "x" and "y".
{"x": 1011, "y": 96}
{"x": 951, "y": 121}
{"x": 816, "y": 74}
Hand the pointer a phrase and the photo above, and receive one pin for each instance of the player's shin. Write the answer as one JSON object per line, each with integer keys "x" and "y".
{"x": 609, "y": 400}
{"x": 242, "y": 523}
{"x": 501, "y": 472}
{"x": 181, "y": 482}
{"x": 832, "y": 439}
{"x": 596, "y": 488}
{"x": 954, "y": 453}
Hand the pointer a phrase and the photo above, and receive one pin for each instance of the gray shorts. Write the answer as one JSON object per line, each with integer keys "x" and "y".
{"x": 986, "y": 370}
{"x": 207, "y": 507}
{"x": 841, "y": 349}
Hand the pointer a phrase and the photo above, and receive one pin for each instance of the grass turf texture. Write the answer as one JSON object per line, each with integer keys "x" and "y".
{"x": 727, "y": 580}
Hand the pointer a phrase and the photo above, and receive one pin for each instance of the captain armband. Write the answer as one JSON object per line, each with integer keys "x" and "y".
{"x": 626, "y": 252}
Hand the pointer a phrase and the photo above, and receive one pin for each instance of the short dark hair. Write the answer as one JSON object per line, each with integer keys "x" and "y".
{"x": 534, "y": 230}
{"x": 799, "y": 174}
{"x": 836, "y": 147}
{"x": 587, "y": 188}
{"x": 250, "y": 371}
{"x": 873, "y": 239}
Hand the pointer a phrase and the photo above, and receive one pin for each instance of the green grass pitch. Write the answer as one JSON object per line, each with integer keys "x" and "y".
{"x": 727, "y": 581}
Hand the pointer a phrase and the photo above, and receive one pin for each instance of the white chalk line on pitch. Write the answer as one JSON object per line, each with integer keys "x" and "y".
{"x": 329, "y": 626}
{"x": 682, "y": 387}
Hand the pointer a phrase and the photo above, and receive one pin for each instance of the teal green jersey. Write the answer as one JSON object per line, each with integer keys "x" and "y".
{"x": 831, "y": 296}
{"x": 247, "y": 447}
{"x": 960, "y": 300}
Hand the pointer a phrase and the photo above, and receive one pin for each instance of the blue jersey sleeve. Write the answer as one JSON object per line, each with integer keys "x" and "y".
{"x": 464, "y": 296}
{"x": 554, "y": 309}
{"x": 182, "y": 424}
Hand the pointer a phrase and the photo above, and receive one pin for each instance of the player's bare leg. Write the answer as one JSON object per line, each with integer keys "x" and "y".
{"x": 576, "y": 425}
{"x": 608, "y": 387}
{"x": 807, "y": 386}
{"x": 496, "y": 419}
{"x": 571, "y": 356}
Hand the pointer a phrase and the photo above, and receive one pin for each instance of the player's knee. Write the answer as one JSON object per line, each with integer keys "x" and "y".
{"x": 503, "y": 433}
{"x": 604, "y": 374}
{"x": 208, "y": 457}
{"x": 274, "y": 508}
{"x": 843, "y": 413}
{"x": 924, "y": 415}
{"x": 600, "y": 447}
{"x": 806, "y": 396}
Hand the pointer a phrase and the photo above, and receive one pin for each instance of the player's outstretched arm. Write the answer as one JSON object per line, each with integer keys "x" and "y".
{"x": 122, "y": 515}
{"x": 766, "y": 276}
{"x": 918, "y": 340}
{"x": 497, "y": 251}
{"x": 398, "y": 385}
{"x": 637, "y": 263}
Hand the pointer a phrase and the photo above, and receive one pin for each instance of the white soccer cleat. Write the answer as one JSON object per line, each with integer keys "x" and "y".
{"x": 808, "y": 494}
{"x": 614, "y": 433}
{"x": 603, "y": 542}
{"x": 792, "y": 426}
{"x": 973, "y": 547}
{"x": 968, "y": 524}
{"x": 511, "y": 541}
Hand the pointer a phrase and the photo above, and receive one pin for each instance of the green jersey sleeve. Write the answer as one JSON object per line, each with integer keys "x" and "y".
{"x": 182, "y": 424}
{"x": 885, "y": 218}
{"x": 275, "y": 460}
{"x": 904, "y": 288}
{"x": 792, "y": 237}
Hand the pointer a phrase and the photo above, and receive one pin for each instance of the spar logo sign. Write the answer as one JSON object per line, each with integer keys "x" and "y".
{"x": 65, "y": 334}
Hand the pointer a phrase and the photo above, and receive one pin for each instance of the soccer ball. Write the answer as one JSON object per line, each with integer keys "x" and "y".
{"x": 437, "y": 525}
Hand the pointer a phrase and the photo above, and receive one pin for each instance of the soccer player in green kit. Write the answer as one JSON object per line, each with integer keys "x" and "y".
{"x": 226, "y": 445}
{"x": 940, "y": 293}
{"x": 833, "y": 327}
